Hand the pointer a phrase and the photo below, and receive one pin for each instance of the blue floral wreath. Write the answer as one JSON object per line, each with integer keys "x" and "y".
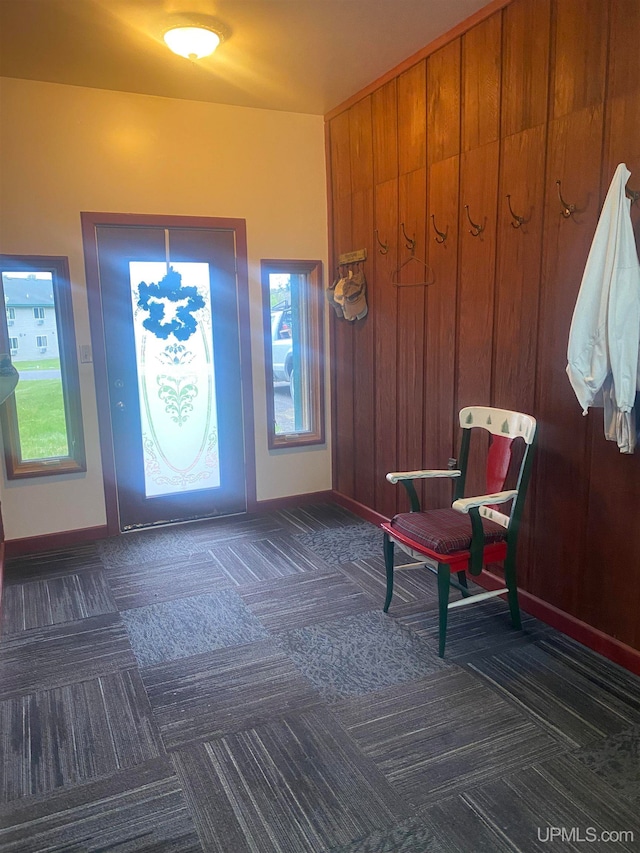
{"x": 170, "y": 288}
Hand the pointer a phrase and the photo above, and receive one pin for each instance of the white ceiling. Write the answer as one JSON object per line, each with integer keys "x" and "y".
{"x": 298, "y": 55}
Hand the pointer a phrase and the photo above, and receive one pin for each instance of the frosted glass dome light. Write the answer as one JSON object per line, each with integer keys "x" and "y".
{"x": 192, "y": 42}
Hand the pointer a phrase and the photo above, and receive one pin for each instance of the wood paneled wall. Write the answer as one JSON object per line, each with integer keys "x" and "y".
{"x": 540, "y": 91}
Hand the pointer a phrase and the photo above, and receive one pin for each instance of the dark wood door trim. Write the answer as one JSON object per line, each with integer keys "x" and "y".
{"x": 90, "y": 221}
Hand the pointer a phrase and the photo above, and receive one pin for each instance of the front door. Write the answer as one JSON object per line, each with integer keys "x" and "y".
{"x": 170, "y": 315}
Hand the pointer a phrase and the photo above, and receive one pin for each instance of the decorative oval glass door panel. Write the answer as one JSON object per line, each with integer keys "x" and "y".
{"x": 176, "y": 380}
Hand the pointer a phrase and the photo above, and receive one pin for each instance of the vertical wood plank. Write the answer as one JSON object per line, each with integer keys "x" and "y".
{"x": 412, "y": 267}
{"x": 341, "y": 339}
{"x": 411, "y": 294}
{"x": 412, "y": 118}
{"x": 518, "y": 266}
{"x": 481, "y": 65}
{"x": 622, "y": 137}
{"x": 361, "y": 145}
{"x": 579, "y": 38}
{"x": 440, "y": 344}
{"x": 444, "y": 97}
{"x": 361, "y": 131}
{"x": 386, "y": 347}
{"x": 518, "y": 269}
{"x": 340, "y": 142}
{"x": 343, "y": 365}
{"x": 624, "y": 55}
{"x": 525, "y": 65}
{"x": 478, "y": 190}
{"x": 385, "y": 169}
{"x": 562, "y": 464}
{"x": 443, "y": 103}
{"x": 385, "y": 132}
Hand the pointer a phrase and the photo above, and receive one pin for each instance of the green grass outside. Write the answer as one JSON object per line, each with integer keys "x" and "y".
{"x": 41, "y": 420}
{"x": 42, "y": 364}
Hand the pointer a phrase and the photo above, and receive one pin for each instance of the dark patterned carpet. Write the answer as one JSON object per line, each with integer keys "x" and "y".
{"x": 234, "y": 687}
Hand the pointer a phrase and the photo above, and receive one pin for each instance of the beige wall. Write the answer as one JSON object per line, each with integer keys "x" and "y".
{"x": 65, "y": 149}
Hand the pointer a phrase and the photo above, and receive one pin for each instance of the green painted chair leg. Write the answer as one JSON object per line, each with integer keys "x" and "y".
{"x": 444, "y": 576}
{"x": 512, "y": 595}
{"x": 388, "y": 562}
{"x": 462, "y": 580}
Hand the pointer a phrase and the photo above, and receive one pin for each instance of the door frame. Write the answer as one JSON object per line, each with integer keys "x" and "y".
{"x": 90, "y": 221}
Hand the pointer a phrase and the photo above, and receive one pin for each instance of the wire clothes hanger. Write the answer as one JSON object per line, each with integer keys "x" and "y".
{"x": 411, "y": 245}
{"x": 428, "y": 273}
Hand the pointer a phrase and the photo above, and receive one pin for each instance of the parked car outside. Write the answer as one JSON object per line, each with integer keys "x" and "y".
{"x": 282, "y": 346}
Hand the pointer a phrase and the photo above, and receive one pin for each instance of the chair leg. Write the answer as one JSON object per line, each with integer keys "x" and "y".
{"x": 512, "y": 595}
{"x": 462, "y": 580}
{"x": 388, "y": 562}
{"x": 444, "y": 576}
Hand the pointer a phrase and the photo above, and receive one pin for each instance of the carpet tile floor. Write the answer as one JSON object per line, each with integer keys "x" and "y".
{"x": 233, "y": 686}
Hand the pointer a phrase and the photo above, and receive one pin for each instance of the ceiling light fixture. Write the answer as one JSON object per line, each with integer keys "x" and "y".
{"x": 192, "y": 42}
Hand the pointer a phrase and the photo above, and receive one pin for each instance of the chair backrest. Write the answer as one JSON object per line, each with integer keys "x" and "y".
{"x": 499, "y": 422}
{"x": 505, "y": 427}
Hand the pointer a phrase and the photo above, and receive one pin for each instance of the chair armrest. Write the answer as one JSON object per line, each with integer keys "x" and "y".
{"x": 465, "y": 504}
{"x": 472, "y": 507}
{"x": 398, "y": 476}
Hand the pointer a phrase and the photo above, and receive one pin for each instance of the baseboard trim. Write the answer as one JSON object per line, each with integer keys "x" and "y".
{"x": 291, "y": 501}
{"x": 605, "y": 645}
{"x": 358, "y": 509}
{"x": 53, "y": 541}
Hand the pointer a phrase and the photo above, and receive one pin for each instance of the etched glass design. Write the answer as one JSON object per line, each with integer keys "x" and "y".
{"x": 176, "y": 380}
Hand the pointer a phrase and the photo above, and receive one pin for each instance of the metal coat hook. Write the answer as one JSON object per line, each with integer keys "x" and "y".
{"x": 567, "y": 209}
{"x": 634, "y": 195}
{"x": 475, "y": 230}
{"x": 518, "y": 220}
{"x": 384, "y": 247}
{"x": 409, "y": 242}
{"x": 441, "y": 236}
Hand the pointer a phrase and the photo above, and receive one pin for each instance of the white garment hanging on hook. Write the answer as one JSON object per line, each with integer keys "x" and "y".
{"x": 604, "y": 340}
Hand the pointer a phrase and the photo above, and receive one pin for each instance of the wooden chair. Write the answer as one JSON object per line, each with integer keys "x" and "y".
{"x": 474, "y": 531}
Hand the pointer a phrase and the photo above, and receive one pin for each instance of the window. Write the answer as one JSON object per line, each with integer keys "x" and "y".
{"x": 292, "y": 302}
{"x": 42, "y": 420}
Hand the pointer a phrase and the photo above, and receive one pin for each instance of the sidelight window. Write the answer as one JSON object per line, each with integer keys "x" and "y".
{"x": 292, "y": 317}
{"x": 42, "y": 420}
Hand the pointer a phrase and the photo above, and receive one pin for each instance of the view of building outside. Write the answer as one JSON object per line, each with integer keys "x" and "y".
{"x": 33, "y": 343}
